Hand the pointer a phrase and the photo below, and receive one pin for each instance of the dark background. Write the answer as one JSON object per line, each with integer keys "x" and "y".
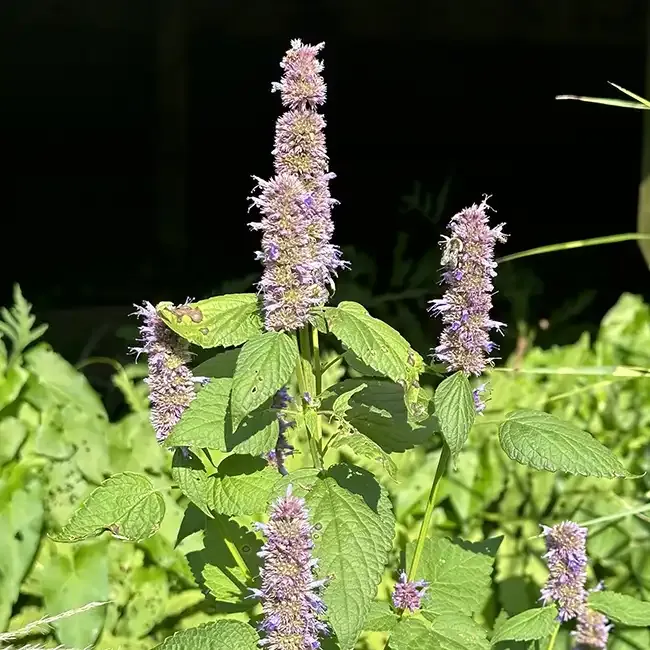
{"x": 130, "y": 131}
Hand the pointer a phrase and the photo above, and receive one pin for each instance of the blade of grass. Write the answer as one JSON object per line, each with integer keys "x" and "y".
{"x": 578, "y": 243}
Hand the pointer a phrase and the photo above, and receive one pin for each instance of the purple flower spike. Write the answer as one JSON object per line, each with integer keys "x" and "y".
{"x": 299, "y": 259}
{"x": 289, "y": 591}
{"x": 592, "y": 630}
{"x": 276, "y": 456}
{"x": 408, "y": 595}
{"x": 171, "y": 383}
{"x": 567, "y": 561}
{"x": 468, "y": 260}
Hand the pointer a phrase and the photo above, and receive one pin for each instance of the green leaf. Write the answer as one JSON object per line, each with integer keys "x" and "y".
{"x": 192, "y": 479}
{"x": 542, "y": 441}
{"x": 242, "y": 485}
{"x": 378, "y": 411}
{"x": 220, "y": 365}
{"x": 21, "y": 519}
{"x": 207, "y": 423}
{"x": 126, "y": 504}
{"x": 73, "y": 579}
{"x": 528, "y": 626}
{"x": 342, "y": 403}
{"x": 374, "y": 342}
{"x": 366, "y": 448}
{"x": 11, "y": 385}
{"x": 381, "y": 618}
{"x": 455, "y": 410}
{"x": 354, "y": 517}
{"x": 226, "y": 558}
{"x": 265, "y": 364}
{"x": 449, "y": 632}
{"x": 217, "y": 635}
{"x": 12, "y": 434}
{"x": 65, "y": 384}
{"x": 226, "y": 321}
{"x": 147, "y": 605}
{"x": 459, "y": 580}
{"x": 621, "y": 608}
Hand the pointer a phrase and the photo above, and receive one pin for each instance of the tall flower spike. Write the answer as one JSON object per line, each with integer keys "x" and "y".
{"x": 408, "y": 594}
{"x": 171, "y": 382}
{"x": 468, "y": 260}
{"x": 567, "y": 564}
{"x": 592, "y": 630}
{"x": 282, "y": 449}
{"x": 289, "y": 591}
{"x": 299, "y": 259}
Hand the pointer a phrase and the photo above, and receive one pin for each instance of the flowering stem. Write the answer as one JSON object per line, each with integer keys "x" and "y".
{"x": 303, "y": 388}
{"x": 428, "y": 513}
{"x": 551, "y": 643}
{"x": 318, "y": 373}
{"x": 234, "y": 551}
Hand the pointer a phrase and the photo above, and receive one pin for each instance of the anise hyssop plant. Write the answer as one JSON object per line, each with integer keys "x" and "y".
{"x": 298, "y": 538}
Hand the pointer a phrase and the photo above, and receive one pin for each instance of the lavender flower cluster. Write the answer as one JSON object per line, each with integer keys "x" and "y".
{"x": 171, "y": 383}
{"x": 566, "y": 557}
{"x": 408, "y": 594}
{"x": 289, "y": 591}
{"x": 468, "y": 259}
{"x": 299, "y": 259}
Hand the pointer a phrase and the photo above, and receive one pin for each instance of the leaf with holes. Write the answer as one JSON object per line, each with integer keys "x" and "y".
{"x": 530, "y": 625}
{"x": 217, "y": 635}
{"x": 374, "y": 342}
{"x": 455, "y": 410}
{"x": 225, "y": 321}
{"x": 542, "y": 441}
{"x": 356, "y": 526}
{"x": 126, "y": 504}
{"x": 265, "y": 364}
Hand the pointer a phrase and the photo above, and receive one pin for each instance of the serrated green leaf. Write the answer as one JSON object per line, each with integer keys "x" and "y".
{"x": 12, "y": 434}
{"x": 621, "y": 608}
{"x": 242, "y": 485}
{"x": 459, "y": 580}
{"x": 71, "y": 580}
{"x": 543, "y": 441}
{"x": 366, "y": 448}
{"x": 449, "y": 632}
{"x": 11, "y": 384}
{"x": 374, "y": 342}
{"x": 302, "y": 480}
{"x": 226, "y": 321}
{"x": 126, "y": 504}
{"x": 217, "y": 635}
{"x": 378, "y": 412}
{"x": 342, "y": 403}
{"x": 192, "y": 479}
{"x": 355, "y": 524}
{"x": 265, "y": 364}
{"x": 381, "y": 617}
{"x": 528, "y": 626}
{"x": 207, "y": 423}
{"x": 455, "y": 410}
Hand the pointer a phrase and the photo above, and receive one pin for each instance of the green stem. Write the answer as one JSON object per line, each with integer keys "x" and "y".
{"x": 331, "y": 362}
{"x": 303, "y": 388}
{"x": 428, "y": 513}
{"x": 234, "y": 551}
{"x": 578, "y": 243}
{"x": 318, "y": 373}
{"x": 551, "y": 643}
